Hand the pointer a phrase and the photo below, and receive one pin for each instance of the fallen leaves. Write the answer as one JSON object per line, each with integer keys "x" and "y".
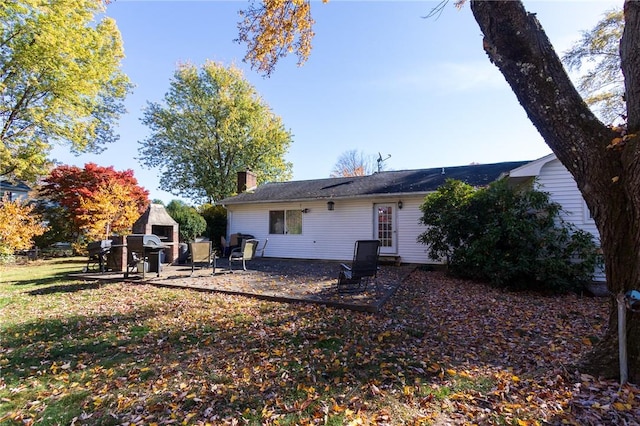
{"x": 442, "y": 350}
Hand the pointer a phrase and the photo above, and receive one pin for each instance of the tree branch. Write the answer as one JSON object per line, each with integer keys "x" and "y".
{"x": 516, "y": 43}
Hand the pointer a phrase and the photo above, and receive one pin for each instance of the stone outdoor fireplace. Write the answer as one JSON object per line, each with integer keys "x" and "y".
{"x": 157, "y": 221}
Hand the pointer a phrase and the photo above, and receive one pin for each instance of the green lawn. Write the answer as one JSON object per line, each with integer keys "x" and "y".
{"x": 78, "y": 352}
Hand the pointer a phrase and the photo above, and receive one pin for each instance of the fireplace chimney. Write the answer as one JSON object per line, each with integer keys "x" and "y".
{"x": 247, "y": 180}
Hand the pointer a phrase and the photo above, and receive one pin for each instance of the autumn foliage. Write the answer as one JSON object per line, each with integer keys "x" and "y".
{"x": 98, "y": 200}
{"x": 18, "y": 226}
{"x": 272, "y": 29}
{"x": 441, "y": 352}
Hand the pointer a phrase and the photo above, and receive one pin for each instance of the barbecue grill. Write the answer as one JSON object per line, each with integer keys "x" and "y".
{"x": 98, "y": 252}
{"x": 145, "y": 248}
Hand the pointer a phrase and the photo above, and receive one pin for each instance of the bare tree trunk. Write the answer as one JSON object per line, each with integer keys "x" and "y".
{"x": 608, "y": 176}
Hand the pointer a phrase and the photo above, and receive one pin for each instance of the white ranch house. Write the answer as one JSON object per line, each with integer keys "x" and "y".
{"x": 324, "y": 217}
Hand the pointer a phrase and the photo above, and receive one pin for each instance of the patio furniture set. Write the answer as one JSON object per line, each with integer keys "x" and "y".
{"x": 145, "y": 255}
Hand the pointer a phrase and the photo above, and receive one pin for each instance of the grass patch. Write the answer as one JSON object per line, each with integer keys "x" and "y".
{"x": 63, "y": 410}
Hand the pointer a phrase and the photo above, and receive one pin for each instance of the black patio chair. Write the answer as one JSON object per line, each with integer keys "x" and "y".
{"x": 355, "y": 278}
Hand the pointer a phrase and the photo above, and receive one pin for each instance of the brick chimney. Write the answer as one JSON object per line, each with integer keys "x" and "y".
{"x": 247, "y": 180}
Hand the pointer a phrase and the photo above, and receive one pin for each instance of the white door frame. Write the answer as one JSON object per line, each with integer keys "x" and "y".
{"x": 385, "y": 227}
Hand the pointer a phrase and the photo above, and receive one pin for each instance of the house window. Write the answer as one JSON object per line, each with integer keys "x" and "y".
{"x": 285, "y": 222}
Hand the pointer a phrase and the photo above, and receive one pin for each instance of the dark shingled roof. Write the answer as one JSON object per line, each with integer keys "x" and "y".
{"x": 13, "y": 187}
{"x": 377, "y": 184}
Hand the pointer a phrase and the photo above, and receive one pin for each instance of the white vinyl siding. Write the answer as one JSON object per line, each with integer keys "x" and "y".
{"x": 329, "y": 235}
{"x": 555, "y": 179}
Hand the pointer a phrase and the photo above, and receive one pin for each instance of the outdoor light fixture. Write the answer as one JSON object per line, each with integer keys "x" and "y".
{"x": 330, "y": 205}
{"x": 400, "y": 204}
{"x": 305, "y": 210}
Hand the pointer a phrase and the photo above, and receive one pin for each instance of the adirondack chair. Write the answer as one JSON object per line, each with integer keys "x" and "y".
{"x": 244, "y": 253}
{"x": 355, "y": 278}
{"x": 202, "y": 254}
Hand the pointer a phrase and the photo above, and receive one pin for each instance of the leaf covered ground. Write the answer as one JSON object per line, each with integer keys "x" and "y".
{"x": 442, "y": 351}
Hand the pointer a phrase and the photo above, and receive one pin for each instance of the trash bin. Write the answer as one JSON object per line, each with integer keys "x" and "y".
{"x": 142, "y": 266}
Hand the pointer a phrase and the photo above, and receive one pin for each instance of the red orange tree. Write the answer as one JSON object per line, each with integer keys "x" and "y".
{"x": 96, "y": 200}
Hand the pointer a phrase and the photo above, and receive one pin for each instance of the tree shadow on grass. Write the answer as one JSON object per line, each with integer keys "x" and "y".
{"x": 66, "y": 288}
{"x": 50, "y": 279}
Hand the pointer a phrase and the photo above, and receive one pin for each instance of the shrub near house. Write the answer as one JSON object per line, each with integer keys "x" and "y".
{"x": 509, "y": 237}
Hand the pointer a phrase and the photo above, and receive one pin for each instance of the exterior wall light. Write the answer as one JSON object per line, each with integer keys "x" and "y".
{"x": 400, "y": 204}
{"x": 330, "y": 205}
{"x": 305, "y": 210}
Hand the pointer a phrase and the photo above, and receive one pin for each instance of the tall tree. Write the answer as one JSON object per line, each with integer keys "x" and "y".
{"x": 602, "y": 85}
{"x": 603, "y": 160}
{"x": 59, "y": 81}
{"x": 212, "y": 125}
{"x": 355, "y": 163}
{"x": 96, "y": 200}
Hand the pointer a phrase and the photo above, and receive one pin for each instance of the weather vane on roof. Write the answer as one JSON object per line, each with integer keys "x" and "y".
{"x": 380, "y": 160}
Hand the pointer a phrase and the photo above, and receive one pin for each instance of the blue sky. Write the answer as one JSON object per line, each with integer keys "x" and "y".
{"x": 380, "y": 79}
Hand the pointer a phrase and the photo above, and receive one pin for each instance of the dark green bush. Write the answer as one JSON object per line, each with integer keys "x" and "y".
{"x": 216, "y": 218}
{"x": 191, "y": 223}
{"x": 510, "y": 237}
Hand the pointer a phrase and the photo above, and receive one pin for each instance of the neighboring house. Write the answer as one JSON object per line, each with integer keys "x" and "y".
{"x": 322, "y": 218}
{"x": 15, "y": 191}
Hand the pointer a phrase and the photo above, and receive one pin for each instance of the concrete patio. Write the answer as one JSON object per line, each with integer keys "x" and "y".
{"x": 304, "y": 281}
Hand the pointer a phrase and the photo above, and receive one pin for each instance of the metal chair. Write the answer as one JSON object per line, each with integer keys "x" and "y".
{"x": 260, "y": 251}
{"x": 244, "y": 253}
{"x": 354, "y": 278}
{"x": 201, "y": 253}
{"x": 224, "y": 246}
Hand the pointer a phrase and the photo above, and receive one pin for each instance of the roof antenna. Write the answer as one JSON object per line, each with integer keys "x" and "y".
{"x": 380, "y": 160}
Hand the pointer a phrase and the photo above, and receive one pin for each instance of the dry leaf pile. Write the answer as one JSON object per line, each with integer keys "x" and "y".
{"x": 442, "y": 351}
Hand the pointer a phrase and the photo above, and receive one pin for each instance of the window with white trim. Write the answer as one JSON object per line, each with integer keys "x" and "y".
{"x": 285, "y": 222}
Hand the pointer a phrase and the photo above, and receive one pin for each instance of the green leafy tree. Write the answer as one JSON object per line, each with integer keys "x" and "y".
{"x": 603, "y": 160}
{"x": 213, "y": 124}
{"x": 602, "y": 85}
{"x": 59, "y": 81}
{"x": 191, "y": 223}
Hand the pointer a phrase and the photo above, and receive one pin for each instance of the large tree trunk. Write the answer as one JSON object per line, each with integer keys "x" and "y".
{"x": 608, "y": 176}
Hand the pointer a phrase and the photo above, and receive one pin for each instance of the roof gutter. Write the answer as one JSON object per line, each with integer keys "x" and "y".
{"x": 344, "y": 197}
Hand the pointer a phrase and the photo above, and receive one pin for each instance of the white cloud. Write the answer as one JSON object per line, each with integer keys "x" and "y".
{"x": 445, "y": 77}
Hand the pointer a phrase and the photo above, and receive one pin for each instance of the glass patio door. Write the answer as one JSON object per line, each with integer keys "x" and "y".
{"x": 385, "y": 227}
